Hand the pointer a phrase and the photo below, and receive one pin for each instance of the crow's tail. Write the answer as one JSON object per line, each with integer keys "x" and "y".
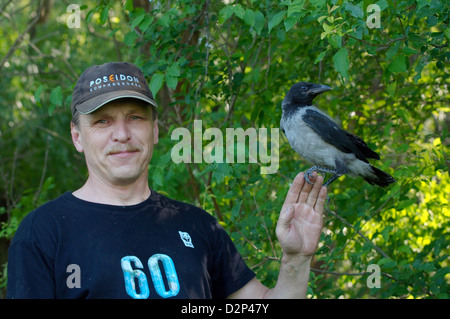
{"x": 379, "y": 177}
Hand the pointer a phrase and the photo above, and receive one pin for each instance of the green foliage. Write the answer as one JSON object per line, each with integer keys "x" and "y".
{"x": 229, "y": 64}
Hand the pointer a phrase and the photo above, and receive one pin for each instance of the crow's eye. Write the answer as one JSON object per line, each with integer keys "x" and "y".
{"x": 304, "y": 88}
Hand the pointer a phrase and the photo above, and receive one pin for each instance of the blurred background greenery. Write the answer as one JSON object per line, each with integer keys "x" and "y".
{"x": 229, "y": 64}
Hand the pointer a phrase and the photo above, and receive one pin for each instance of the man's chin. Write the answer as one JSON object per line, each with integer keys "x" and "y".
{"x": 124, "y": 177}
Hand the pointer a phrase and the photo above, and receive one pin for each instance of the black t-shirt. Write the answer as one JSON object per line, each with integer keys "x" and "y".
{"x": 160, "y": 248}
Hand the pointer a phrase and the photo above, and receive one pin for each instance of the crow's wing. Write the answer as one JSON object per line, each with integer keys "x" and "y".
{"x": 331, "y": 133}
{"x": 362, "y": 146}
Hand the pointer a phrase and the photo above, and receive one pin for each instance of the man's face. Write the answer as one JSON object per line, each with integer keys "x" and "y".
{"x": 117, "y": 141}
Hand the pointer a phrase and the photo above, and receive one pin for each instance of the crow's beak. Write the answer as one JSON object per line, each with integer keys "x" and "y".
{"x": 319, "y": 88}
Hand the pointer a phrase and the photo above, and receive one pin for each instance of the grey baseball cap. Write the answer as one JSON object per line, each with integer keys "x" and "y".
{"x": 101, "y": 84}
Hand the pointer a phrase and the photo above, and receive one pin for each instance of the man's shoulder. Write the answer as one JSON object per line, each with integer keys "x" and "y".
{"x": 48, "y": 209}
{"x": 41, "y": 218}
{"x": 183, "y": 207}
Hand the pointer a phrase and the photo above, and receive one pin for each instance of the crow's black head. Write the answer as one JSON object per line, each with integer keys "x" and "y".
{"x": 303, "y": 93}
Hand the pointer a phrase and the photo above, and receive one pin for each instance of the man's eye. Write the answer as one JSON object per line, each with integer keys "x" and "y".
{"x": 101, "y": 122}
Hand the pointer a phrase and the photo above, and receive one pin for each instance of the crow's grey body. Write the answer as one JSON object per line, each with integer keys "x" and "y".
{"x": 316, "y": 137}
{"x": 304, "y": 140}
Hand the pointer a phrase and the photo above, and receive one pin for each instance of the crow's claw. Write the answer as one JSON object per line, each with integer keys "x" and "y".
{"x": 308, "y": 174}
{"x": 324, "y": 170}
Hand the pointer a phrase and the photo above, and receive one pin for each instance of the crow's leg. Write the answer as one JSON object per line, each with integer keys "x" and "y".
{"x": 320, "y": 170}
{"x": 340, "y": 170}
{"x": 332, "y": 179}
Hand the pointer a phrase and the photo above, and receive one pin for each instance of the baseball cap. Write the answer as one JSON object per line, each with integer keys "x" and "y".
{"x": 101, "y": 84}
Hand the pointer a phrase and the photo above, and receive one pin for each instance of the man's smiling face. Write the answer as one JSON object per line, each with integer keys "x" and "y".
{"x": 117, "y": 141}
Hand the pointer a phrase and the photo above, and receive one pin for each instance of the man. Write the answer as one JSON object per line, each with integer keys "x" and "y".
{"x": 116, "y": 238}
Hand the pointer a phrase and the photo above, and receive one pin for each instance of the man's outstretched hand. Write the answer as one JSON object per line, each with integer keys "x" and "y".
{"x": 298, "y": 231}
{"x": 300, "y": 222}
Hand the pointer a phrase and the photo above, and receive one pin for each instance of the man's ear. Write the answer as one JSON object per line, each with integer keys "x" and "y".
{"x": 155, "y": 132}
{"x": 76, "y": 137}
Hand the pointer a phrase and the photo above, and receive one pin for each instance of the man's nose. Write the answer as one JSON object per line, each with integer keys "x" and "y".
{"x": 121, "y": 132}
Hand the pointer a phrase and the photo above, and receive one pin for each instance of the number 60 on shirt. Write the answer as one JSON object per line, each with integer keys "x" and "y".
{"x": 131, "y": 275}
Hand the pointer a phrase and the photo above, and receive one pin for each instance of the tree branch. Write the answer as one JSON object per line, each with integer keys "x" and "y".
{"x": 21, "y": 37}
{"x": 381, "y": 46}
{"x": 378, "y": 249}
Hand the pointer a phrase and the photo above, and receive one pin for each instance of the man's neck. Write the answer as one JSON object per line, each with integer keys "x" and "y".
{"x": 121, "y": 195}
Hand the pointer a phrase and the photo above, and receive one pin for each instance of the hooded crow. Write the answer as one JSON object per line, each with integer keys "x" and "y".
{"x": 317, "y": 138}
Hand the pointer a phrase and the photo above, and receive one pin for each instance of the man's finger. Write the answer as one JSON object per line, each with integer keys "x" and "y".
{"x": 320, "y": 203}
{"x": 314, "y": 193}
{"x": 308, "y": 187}
{"x": 294, "y": 191}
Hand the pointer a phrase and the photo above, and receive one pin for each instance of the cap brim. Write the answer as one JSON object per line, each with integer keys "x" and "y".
{"x": 97, "y": 102}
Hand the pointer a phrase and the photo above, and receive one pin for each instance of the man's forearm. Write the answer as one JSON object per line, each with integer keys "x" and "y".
{"x": 293, "y": 278}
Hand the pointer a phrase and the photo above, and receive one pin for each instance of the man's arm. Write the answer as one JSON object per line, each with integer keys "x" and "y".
{"x": 298, "y": 231}
{"x": 29, "y": 273}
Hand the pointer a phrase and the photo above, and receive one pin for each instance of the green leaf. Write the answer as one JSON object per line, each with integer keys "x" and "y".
{"x": 354, "y": 11}
{"x": 382, "y": 4}
{"x": 238, "y": 11}
{"x": 128, "y": 5}
{"x": 419, "y": 68}
{"x": 386, "y": 263}
{"x": 405, "y": 249}
{"x": 409, "y": 51}
{"x": 386, "y": 232}
{"x": 320, "y": 19}
{"x": 146, "y": 23}
{"x": 320, "y": 57}
{"x": 158, "y": 177}
{"x": 37, "y": 95}
{"x": 341, "y": 63}
{"x": 137, "y": 20}
{"x": 130, "y": 37}
{"x": 225, "y": 13}
{"x": 56, "y": 96}
{"x": 156, "y": 83}
{"x": 104, "y": 14}
{"x": 249, "y": 17}
{"x": 276, "y": 19}
{"x": 259, "y": 22}
{"x": 171, "y": 81}
{"x": 165, "y": 20}
{"x": 335, "y": 40}
{"x": 398, "y": 64}
{"x": 235, "y": 210}
{"x": 391, "y": 88}
{"x": 173, "y": 70}
{"x": 447, "y": 33}
{"x": 328, "y": 28}
{"x": 222, "y": 170}
{"x": 295, "y": 7}
{"x": 290, "y": 21}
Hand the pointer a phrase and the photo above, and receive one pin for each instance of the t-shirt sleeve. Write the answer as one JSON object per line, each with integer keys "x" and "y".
{"x": 29, "y": 268}
{"x": 230, "y": 273}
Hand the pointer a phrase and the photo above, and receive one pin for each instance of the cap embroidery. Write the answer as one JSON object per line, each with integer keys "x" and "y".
{"x": 113, "y": 80}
